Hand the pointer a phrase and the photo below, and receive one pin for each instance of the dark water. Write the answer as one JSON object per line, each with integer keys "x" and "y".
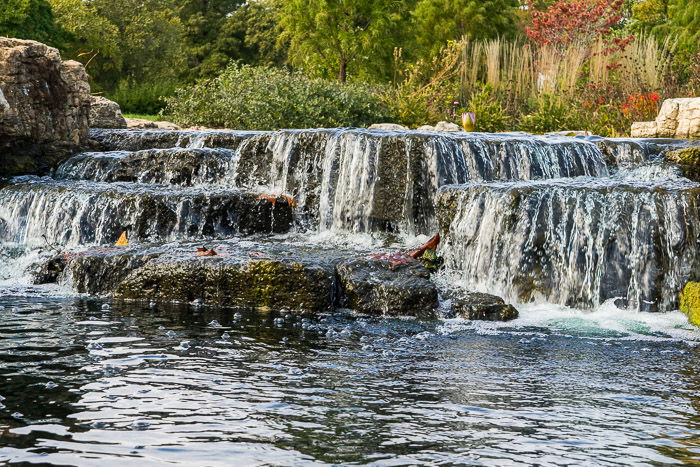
{"x": 134, "y": 385}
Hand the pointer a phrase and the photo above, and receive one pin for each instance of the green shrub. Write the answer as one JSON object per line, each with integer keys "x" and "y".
{"x": 490, "y": 116}
{"x": 142, "y": 98}
{"x": 550, "y": 113}
{"x": 265, "y": 98}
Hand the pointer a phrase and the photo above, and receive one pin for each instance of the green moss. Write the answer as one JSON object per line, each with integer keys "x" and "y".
{"x": 688, "y": 160}
{"x": 690, "y": 302}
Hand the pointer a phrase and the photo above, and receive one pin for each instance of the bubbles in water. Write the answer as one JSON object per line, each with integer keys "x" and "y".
{"x": 237, "y": 316}
{"x": 94, "y": 346}
{"x": 225, "y": 336}
{"x": 50, "y": 385}
{"x": 279, "y": 322}
{"x": 171, "y": 334}
{"x": 17, "y": 415}
{"x": 105, "y": 307}
{"x": 198, "y": 302}
{"x": 140, "y": 425}
{"x": 152, "y": 304}
{"x": 184, "y": 345}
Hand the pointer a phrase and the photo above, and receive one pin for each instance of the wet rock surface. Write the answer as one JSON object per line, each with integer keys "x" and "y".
{"x": 375, "y": 287}
{"x": 42, "y": 210}
{"x": 44, "y": 108}
{"x": 176, "y": 166}
{"x": 242, "y": 274}
{"x": 481, "y": 306}
{"x": 688, "y": 161}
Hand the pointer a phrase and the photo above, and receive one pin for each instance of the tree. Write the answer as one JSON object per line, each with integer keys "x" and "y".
{"x": 150, "y": 40}
{"x": 683, "y": 23}
{"x": 203, "y": 21}
{"x": 29, "y": 19}
{"x": 568, "y": 22}
{"x": 341, "y": 38}
{"x": 91, "y": 38}
{"x": 440, "y": 21}
{"x": 250, "y": 34}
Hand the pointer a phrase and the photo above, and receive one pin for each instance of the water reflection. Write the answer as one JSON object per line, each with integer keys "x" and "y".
{"x": 193, "y": 385}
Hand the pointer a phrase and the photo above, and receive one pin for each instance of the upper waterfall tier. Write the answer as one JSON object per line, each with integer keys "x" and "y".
{"x": 351, "y": 179}
{"x": 37, "y": 211}
{"x": 576, "y": 242}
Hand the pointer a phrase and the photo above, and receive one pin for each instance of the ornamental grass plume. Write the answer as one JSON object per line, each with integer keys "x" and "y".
{"x": 468, "y": 121}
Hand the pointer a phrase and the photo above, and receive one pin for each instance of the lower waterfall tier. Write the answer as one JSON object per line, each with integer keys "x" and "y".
{"x": 40, "y": 211}
{"x": 575, "y": 242}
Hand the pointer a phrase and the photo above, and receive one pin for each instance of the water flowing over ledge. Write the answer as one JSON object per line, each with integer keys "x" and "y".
{"x": 574, "y": 221}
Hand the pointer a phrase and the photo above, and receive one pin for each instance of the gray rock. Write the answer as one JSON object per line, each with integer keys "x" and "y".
{"x": 143, "y": 124}
{"x": 45, "y": 106}
{"x": 448, "y": 126}
{"x": 245, "y": 274}
{"x": 482, "y": 306}
{"x": 105, "y": 113}
{"x": 387, "y": 126}
{"x": 373, "y": 286}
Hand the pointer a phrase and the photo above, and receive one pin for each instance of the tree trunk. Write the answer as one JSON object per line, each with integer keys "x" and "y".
{"x": 343, "y": 71}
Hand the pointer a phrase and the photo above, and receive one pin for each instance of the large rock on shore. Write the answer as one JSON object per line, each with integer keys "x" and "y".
{"x": 44, "y": 107}
{"x": 105, "y": 113}
{"x": 678, "y": 118}
{"x": 482, "y": 307}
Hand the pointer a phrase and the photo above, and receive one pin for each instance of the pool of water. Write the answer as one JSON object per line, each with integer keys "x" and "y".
{"x": 87, "y": 382}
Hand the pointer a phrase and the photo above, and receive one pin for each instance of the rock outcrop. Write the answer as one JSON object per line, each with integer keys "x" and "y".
{"x": 375, "y": 287}
{"x": 44, "y": 107}
{"x": 441, "y": 126}
{"x": 105, "y": 113}
{"x": 678, "y": 118}
{"x": 143, "y": 124}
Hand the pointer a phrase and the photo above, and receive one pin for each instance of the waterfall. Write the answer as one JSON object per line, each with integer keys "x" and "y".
{"x": 576, "y": 241}
{"x": 38, "y": 211}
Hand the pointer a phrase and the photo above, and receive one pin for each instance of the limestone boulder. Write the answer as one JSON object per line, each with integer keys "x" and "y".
{"x": 44, "y": 107}
{"x": 387, "y": 126}
{"x": 143, "y": 124}
{"x": 678, "y": 118}
{"x": 105, "y": 113}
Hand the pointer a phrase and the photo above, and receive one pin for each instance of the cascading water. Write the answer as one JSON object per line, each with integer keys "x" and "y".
{"x": 577, "y": 242}
{"x": 549, "y": 218}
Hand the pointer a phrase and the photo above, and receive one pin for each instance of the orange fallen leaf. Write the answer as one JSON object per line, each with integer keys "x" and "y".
{"x": 201, "y": 248}
{"x": 255, "y": 253}
{"x": 122, "y": 240}
{"x": 431, "y": 244}
{"x": 206, "y": 252}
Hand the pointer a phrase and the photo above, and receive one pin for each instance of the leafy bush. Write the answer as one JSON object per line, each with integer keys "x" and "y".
{"x": 142, "y": 98}
{"x": 490, "y": 116}
{"x": 550, "y": 114}
{"x": 265, "y": 98}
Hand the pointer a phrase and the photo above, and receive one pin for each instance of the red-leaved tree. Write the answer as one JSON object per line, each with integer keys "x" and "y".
{"x": 568, "y": 22}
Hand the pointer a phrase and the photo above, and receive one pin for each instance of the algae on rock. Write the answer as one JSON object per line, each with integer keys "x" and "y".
{"x": 690, "y": 302}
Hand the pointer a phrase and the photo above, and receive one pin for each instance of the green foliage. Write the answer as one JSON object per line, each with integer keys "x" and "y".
{"x": 441, "y": 21}
{"x": 550, "y": 113}
{"x": 203, "y": 21}
{"x": 30, "y": 19}
{"x": 265, "y": 98}
{"x": 341, "y": 39}
{"x": 490, "y": 116}
{"x": 251, "y": 34}
{"x": 143, "y": 97}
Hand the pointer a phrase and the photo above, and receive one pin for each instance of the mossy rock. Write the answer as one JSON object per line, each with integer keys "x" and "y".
{"x": 688, "y": 160}
{"x": 690, "y": 302}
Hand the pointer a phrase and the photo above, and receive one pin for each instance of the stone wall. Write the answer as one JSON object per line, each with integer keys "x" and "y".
{"x": 44, "y": 106}
{"x": 678, "y": 118}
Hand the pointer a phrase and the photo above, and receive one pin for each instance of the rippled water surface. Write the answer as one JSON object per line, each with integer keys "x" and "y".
{"x": 88, "y": 384}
